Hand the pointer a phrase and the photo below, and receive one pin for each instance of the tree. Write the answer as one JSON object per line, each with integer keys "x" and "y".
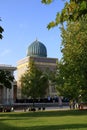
{"x": 47, "y": 1}
{"x": 73, "y": 67}
{"x": 34, "y": 82}
{"x": 1, "y": 31}
{"x": 72, "y": 11}
{"x": 71, "y": 75}
{"x": 6, "y": 78}
{"x": 65, "y": 84}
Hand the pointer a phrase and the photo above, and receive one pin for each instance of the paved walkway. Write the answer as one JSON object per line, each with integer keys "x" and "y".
{"x": 47, "y": 109}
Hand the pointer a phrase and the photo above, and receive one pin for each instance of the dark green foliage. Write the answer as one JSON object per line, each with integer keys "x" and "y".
{"x": 1, "y": 31}
{"x": 72, "y": 11}
{"x": 46, "y": 1}
{"x": 34, "y": 82}
{"x": 6, "y": 78}
{"x": 72, "y": 76}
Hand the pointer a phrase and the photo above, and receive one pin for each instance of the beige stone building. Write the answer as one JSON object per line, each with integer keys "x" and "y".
{"x": 38, "y": 52}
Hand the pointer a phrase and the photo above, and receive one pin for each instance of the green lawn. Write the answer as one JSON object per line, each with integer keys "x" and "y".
{"x": 44, "y": 120}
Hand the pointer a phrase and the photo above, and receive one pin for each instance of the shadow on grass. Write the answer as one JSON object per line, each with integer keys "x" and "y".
{"x": 25, "y": 115}
{"x": 45, "y": 127}
{"x": 45, "y": 113}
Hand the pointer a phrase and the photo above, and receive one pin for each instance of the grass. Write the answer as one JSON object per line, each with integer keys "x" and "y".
{"x": 44, "y": 120}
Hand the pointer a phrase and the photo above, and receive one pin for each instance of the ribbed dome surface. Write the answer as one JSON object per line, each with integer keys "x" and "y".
{"x": 37, "y": 49}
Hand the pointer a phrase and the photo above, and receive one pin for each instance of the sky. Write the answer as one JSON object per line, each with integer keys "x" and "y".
{"x": 24, "y": 21}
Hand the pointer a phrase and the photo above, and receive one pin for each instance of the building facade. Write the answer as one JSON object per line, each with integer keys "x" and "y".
{"x": 38, "y": 53}
{"x": 8, "y": 96}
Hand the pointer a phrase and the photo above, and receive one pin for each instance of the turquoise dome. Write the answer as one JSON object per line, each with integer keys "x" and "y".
{"x": 37, "y": 49}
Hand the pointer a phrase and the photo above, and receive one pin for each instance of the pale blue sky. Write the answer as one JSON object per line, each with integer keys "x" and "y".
{"x": 23, "y": 22}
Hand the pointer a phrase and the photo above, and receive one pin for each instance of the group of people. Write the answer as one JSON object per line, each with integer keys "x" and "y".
{"x": 73, "y": 104}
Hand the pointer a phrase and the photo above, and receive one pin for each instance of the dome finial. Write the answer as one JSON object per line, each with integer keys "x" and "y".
{"x": 36, "y": 39}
